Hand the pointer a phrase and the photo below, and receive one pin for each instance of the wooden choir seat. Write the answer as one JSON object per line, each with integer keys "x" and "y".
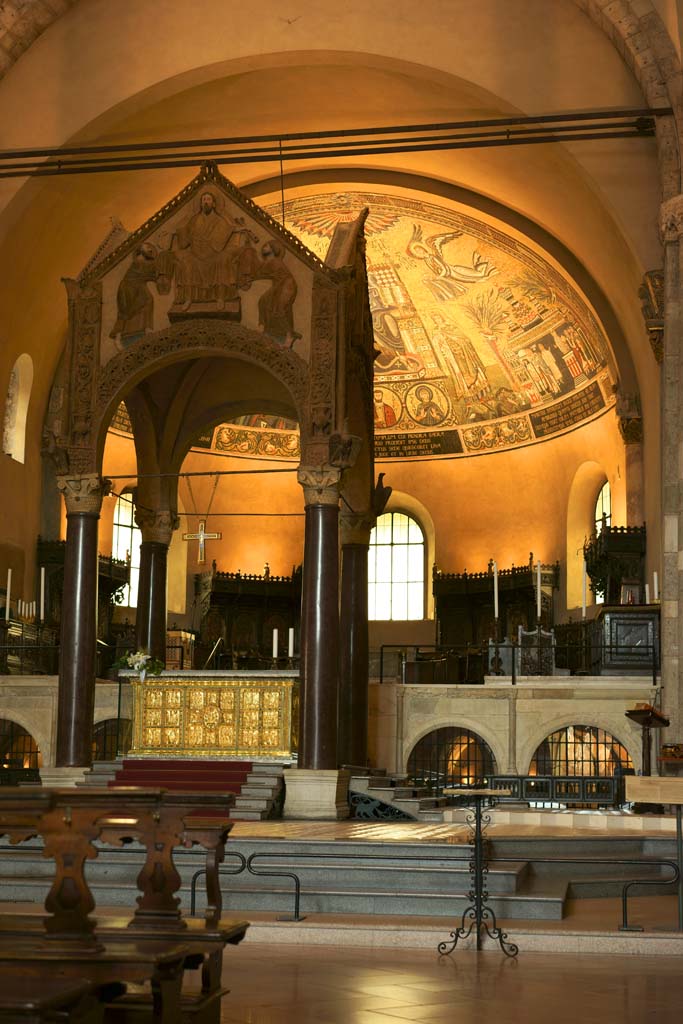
{"x": 148, "y": 952}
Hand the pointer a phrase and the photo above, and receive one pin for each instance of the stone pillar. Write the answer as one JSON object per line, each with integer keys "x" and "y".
{"x": 354, "y": 653}
{"x": 83, "y": 498}
{"x": 320, "y": 620}
{"x": 316, "y": 789}
{"x": 150, "y": 622}
{"x": 671, "y": 229}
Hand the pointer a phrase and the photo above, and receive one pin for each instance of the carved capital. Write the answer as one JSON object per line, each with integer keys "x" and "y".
{"x": 631, "y": 429}
{"x": 156, "y": 526}
{"x": 344, "y": 450}
{"x": 671, "y": 219}
{"x": 355, "y": 529}
{"x": 83, "y": 494}
{"x": 320, "y": 484}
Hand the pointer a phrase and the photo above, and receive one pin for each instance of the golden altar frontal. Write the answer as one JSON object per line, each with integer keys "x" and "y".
{"x": 214, "y": 714}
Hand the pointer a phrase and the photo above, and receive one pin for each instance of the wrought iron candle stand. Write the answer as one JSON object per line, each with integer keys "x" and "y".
{"x": 478, "y": 917}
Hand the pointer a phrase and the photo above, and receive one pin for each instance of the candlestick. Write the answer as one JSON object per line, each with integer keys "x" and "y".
{"x": 583, "y": 591}
{"x": 275, "y": 643}
{"x": 8, "y": 594}
{"x": 647, "y": 593}
{"x": 655, "y": 586}
{"x": 42, "y": 593}
{"x": 290, "y": 647}
{"x": 538, "y": 591}
{"x": 495, "y": 590}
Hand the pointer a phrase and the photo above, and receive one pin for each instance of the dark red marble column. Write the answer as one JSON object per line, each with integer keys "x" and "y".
{"x": 354, "y": 654}
{"x": 150, "y": 622}
{"x": 76, "y": 697}
{"x": 320, "y": 630}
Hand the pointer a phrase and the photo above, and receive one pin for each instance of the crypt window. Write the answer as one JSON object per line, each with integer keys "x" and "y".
{"x": 126, "y": 540}
{"x": 396, "y": 568}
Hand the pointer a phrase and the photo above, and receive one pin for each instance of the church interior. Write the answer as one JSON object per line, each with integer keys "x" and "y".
{"x": 339, "y": 385}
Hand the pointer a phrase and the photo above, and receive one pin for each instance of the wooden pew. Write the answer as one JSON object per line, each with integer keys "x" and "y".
{"x": 69, "y": 821}
{"x": 57, "y": 999}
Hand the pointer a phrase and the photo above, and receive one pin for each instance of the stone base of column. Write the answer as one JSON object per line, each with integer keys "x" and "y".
{"x": 316, "y": 793}
{"x": 61, "y": 778}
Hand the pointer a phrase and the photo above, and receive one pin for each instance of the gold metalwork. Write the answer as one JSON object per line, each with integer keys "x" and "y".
{"x": 186, "y": 717}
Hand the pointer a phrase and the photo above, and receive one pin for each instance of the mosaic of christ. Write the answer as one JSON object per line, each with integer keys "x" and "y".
{"x": 471, "y": 324}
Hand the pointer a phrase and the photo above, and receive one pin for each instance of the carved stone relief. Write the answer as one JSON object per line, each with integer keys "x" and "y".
{"x": 651, "y": 295}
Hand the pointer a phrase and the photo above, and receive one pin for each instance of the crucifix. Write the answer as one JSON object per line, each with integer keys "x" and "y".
{"x": 202, "y": 536}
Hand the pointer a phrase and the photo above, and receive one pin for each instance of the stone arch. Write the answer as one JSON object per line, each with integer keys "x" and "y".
{"x": 621, "y": 728}
{"x": 16, "y": 408}
{"x": 17, "y": 717}
{"x": 585, "y": 487}
{"x": 497, "y": 744}
{"x": 200, "y": 338}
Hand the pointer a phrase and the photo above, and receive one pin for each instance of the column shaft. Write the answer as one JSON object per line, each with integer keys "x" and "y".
{"x": 354, "y": 656}
{"x": 320, "y": 638}
{"x": 150, "y": 623}
{"x": 76, "y": 698}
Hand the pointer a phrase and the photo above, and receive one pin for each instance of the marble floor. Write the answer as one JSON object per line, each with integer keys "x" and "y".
{"x": 313, "y": 985}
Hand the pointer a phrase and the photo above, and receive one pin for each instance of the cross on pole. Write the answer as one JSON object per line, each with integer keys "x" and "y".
{"x": 202, "y": 536}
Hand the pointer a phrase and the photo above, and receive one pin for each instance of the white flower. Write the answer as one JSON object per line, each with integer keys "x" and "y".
{"x": 138, "y": 660}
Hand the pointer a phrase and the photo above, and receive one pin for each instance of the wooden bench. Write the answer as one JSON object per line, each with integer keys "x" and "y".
{"x": 55, "y": 999}
{"x": 156, "y": 944}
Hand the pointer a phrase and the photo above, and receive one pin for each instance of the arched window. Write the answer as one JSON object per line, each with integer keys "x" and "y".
{"x": 111, "y": 738}
{"x": 126, "y": 540}
{"x": 396, "y": 568}
{"x": 18, "y": 749}
{"x": 451, "y": 757}
{"x": 603, "y": 508}
{"x": 16, "y": 408}
{"x": 580, "y": 750}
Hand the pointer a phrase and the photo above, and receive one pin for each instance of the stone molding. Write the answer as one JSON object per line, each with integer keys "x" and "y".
{"x": 320, "y": 484}
{"x": 156, "y": 526}
{"x": 84, "y": 494}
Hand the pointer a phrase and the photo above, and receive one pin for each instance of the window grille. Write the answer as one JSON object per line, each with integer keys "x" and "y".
{"x": 451, "y": 757}
{"x": 108, "y": 735}
{"x": 396, "y": 574}
{"x": 126, "y": 540}
{"x": 18, "y": 749}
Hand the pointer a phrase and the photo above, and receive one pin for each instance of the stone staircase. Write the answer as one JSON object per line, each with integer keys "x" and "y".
{"x": 383, "y": 795}
{"x": 373, "y": 877}
{"x": 258, "y": 787}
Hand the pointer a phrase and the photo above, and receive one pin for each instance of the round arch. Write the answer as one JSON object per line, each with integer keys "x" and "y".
{"x": 585, "y": 487}
{"x": 615, "y": 724}
{"x": 400, "y": 501}
{"x": 496, "y": 744}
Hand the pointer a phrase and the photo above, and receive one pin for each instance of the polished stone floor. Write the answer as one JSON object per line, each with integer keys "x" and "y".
{"x": 313, "y": 985}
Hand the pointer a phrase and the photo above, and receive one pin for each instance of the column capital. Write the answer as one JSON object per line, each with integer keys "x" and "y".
{"x": 355, "y": 528}
{"x": 156, "y": 526}
{"x": 320, "y": 484}
{"x": 671, "y": 219}
{"x": 84, "y": 493}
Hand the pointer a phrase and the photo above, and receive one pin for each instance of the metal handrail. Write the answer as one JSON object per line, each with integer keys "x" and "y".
{"x": 339, "y": 856}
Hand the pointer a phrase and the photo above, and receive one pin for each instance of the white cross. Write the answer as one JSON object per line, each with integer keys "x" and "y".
{"x": 202, "y": 536}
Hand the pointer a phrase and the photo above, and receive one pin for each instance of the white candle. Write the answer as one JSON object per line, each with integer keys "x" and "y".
{"x": 495, "y": 590}
{"x": 583, "y": 591}
{"x": 655, "y": 586}
{"x": 8, "y": 594}
{"x": 20, "y": 608}
{"x": 42, "y": 593}
{"x": 647, "y": 593}
{"x": 290, "y": 648}
{"x": 538, "y": 591}
{"x": 275, "y": 643}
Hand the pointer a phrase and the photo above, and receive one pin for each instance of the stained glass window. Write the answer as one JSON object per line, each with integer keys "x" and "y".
{"x": 396, "y": 576}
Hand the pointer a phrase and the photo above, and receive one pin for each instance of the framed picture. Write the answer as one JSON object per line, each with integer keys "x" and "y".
{"x": 630, "y": 593}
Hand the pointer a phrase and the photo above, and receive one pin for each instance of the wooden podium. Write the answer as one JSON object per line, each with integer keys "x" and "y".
{"x": 658, "y": 790}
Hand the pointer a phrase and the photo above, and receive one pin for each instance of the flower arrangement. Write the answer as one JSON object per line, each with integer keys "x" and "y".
{"x": 142, "y": 662}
